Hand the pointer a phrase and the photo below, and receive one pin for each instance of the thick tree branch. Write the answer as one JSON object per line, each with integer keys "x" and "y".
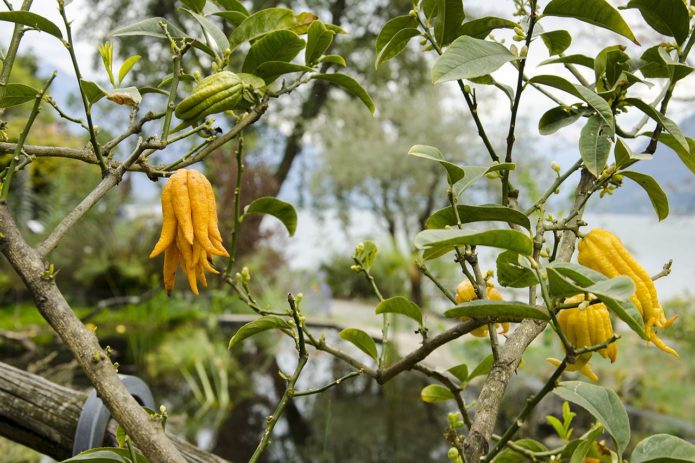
{"x": 84, "y": 345}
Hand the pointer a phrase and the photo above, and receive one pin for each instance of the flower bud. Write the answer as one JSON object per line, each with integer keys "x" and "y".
{"x": 555, "y": 166}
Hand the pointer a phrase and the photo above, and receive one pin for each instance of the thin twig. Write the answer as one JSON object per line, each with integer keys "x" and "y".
{"x": 337, "y": 382}
{"x": 239, "y": 155}
{"x": 665, "y": 271}
{"x": 8, "y": 62}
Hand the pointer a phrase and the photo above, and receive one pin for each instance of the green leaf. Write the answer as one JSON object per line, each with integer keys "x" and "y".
{"x": 361, "y": 340}
{"x": 450, "y": 15}
{"x": 261, "y": 23}
{"x": 454, "y": 172}
{"x": 335, "y": 59}
{"x": 557, "y": 426}
{"x": 280, "y": 45}
{"x": 127, "y": 66}
{"x": 597, "y": 12}
{"x": 107, "y": 455}
{"x": 585, "y": 445}
{"x": 213, "y": 30}
{"x": 662, "y": 448}
{"x": 556, "y": 118}
{"x": 150, "y": 27}
{"x": 460, "y": 371}
{"x": 92, "y": 91}
{"x": 481, "y": 27}
{"x": 670, "y": 126}
{"x": 581, "y": 60}
{"x": 511, "y": 456}
{"x": 483, "y": 368}
{"x": 556, "y": 41}
{"x": 350, "y": 85}
{"x": 623, "y": 154}
{"x": 146, "y": 89}
{"x": 686, "y": 156}
{"x": 445, "y": 240}
{"x": 510, "y": 311}
{"x": 33, "y": 20}
{"x": 467, "y": 57}
{"x": 396, "y": 45}
{"x": 512, "y": 271}
{"x": 659, "y": 64}
{"x": 265, "y": 323}
{"x": 281, "y": 210}
{"x": 233, "y": 17}
{"x": 668, "y": 17}
{"x": 233, "y": 5}
{"x": 592, "y": 99}
{"x": 271, "y": 70}
{"x": 318, "y": 40}
{"x": 604, "y": 404}
{"x": 620, "y": 288}
{"x": 195, "y": 5}
{"x": 475, "y": 173}
{"x": 656, "y": 194}
{"x": 402, "y": 306}
{"x": 468, "y": 214}
{"x": 435, "y": 393}
{"x": 16, "y": 94}
{"x": 391, "y": 28}
{"x": 595, "y": 145}
{"x": 367, "y": 254}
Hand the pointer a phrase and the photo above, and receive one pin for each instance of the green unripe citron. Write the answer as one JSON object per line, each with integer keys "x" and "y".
{"x": 216, "y": 93}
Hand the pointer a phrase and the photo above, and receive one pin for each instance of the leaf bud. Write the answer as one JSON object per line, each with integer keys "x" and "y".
{"x": 524, "y": 51}
{"x": 514, "y": 50}
{"x": 555, "y": 166}
{"x": 245, "y": 275}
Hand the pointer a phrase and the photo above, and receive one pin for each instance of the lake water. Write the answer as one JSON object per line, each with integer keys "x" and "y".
{"x": 652, "y": 243}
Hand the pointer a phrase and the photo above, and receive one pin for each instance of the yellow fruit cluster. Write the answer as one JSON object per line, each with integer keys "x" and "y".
{"x": 585, "y": 327}
{"x": 465, "y": 293}
{"x": 602, "y": 251}
{"x": 190, "y": 236}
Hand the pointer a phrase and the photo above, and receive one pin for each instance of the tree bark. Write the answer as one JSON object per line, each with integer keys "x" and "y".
{"x": 84, "y": 345}
{"x": 43, "y": 416}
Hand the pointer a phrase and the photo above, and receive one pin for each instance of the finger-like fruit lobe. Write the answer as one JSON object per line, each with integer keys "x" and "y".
{"x": 190, "y": 236}
{"x": 465, "y": 293}
{"x": 603, "y": 251}
{"x": 219, "y": 92}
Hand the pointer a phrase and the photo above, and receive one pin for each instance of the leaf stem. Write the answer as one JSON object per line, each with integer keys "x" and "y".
{"x": 239, "y": 155}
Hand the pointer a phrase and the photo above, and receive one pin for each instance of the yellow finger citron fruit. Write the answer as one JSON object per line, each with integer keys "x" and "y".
{"x": 190, "y": 235}
{"x": 602, "y": 251}
{"x": 465, "y": 293}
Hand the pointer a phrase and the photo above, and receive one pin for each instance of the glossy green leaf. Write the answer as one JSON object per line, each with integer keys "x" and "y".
{"x": 16, "y": 94}
{"x": 475, "y": 173}
{"x": 107, "y": 455}
{"x": 662, "y": 448}
{"x": 318, "y": 40}
{"x": 195, "y": 5}
{"x": 511, "y": 456}
{"x": 620, "y": 288}
{"x": 513, "y": 272}
{"x": 166, "y": 81}
{"x": 449, "y": 17}
{"x": 483, "y": 368}
{"x": 265, "y": 323}
{"x": 468, "y": 214}
{"x": 334, "y": 59}
{"x": 592, "y": 99}
{"x": 127, "y": 66}
{"x": 271, "y": 70}
{"x": 447, "y": 239}
{"x": 233, "y": 5}
{"x": 453, "y": 171}
{"x": 261, "y": 23}
{"x": 280, "y": 45}
{"x": 686, "y": 156}
{"x": 350, "y": 85}
{"x": 658, "y": 63}
{"x": 624, "y": 155}
{"x": 585, "y": 445}
{"x": 233, "y": 17}
{"x": 668, "y": 17}
{"x": 33, "y": 20}
{"x": 145, "y": 90}
{"x": 460, "y": 372}
{"x": 391, "y": 28}
{"x": 402, "y": 306}
{"x": 670, "y": 126}
{"x": 213, "y": 30}
{"x": 361, "y": 340}
{"x": 281, "y": 210}
{"x": 595, "y": 144}
{"x": 654, "y": 191}
{"x": 467, "y": 57}
{"x": 150, "y": 27}
{"x": 92, "y": 91}
{"x": 581, "y": 60}
{"x": 510, "y": 311}
{"x": 597, "y": 12}
{"x": 556, "y": 118}
{"x": 481, "y": 27}
{"x": 604, "y": 404}
{"x": 396, "y": 45}
{"x": 434, "y": 393}
{"x": 556, "y": 41}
